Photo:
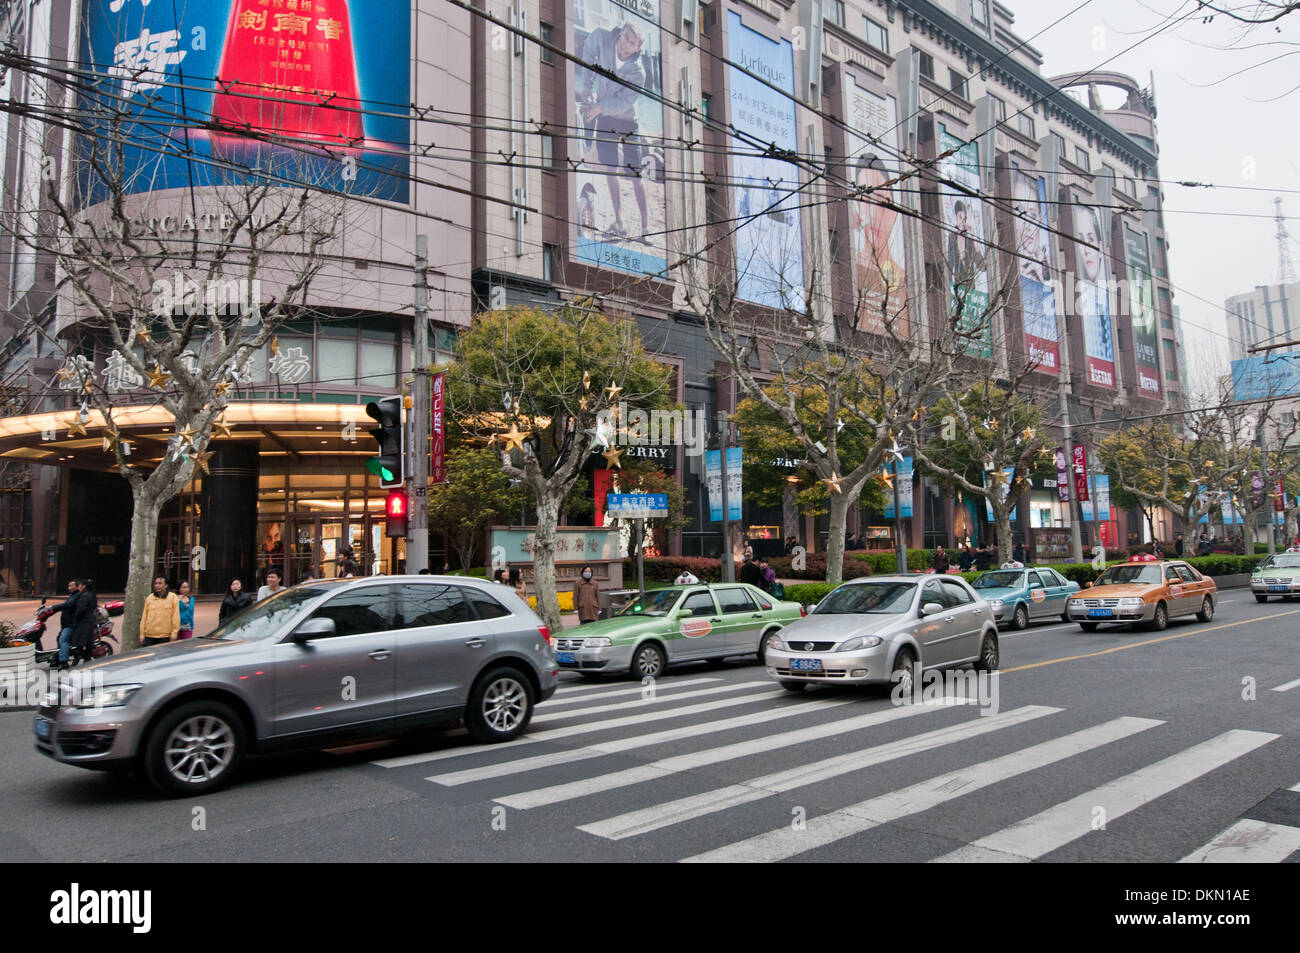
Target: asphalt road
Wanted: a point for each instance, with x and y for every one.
(1116, 745)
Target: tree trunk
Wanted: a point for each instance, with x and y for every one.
(835, 538)
(140, 571)
(789, 512)
(1006, 545)
(548, 606)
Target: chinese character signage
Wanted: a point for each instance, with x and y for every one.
(571, 545)
(964, 244)
(438, 466)
(1080, 473)
(1146, 339)
(311, 73)
(1092, 298)
(713, 474)
(637, 505)
(768, 239)
(1034, 263)
(879, 272)
(618, 185)
(1062, 477)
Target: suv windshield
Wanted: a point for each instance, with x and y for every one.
(1003, 579)
(1148, 575)
(892, 597)
(266, 618)
(659, 602)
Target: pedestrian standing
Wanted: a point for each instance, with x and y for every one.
(1019, 555)
(964, 558)
(235, 602)
(161, 620)
(347, 567)
(516, 581)
(750, 573)
(187, 612)
(1178, 546)
(983, 558)
(769, 577)
(586, 597)
(941, 561)
(83, 620)
(272, 585)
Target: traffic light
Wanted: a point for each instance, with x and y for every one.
(395, 509)
(390, 464)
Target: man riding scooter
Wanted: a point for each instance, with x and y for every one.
(67, 615)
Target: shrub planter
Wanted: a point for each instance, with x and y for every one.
(1234, 581)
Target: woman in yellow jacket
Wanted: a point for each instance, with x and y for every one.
(161, 621)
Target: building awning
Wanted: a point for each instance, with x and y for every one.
(298, 431)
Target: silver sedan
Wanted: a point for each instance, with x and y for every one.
(885, 628)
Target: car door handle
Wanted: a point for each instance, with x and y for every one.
(756, 616)
(949, 618)
(715, 620)
(380, 654)
(475, 643)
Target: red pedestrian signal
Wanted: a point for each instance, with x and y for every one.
(395, 509)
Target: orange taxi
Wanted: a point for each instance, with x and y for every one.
(1144, 589)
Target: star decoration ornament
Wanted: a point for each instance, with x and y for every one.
(220, 428)
(613, 390)
(65, 374)
(142, 336)
(110, 443)
(1027, 434)
(997, 476)
(833, 482)
(513, 438)
(88, 387)
(611, 457)
(222, 387)
(582, 402)
(275, 346)
(202, 463)
(918, 414)
(75, 427)
(159, 378)
(187, 434)
(601, 433)
(895, 451)
(839, 425)
(586, 380)
(886, 479)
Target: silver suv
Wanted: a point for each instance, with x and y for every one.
(313, 666)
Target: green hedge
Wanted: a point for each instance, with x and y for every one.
(808, 592)
(1217, 565)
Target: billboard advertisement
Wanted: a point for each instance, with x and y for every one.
(1146, 337)
(769, 246)
(964, 244)
(1093, 297)
(879, 272)
(1034, 263)
(322, 85)
(1101, 488)
(618, 188)
(903, 480)
(1264, 376)
(713, 479)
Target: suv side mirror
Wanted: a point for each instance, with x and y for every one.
(317, 628)
(931, 608)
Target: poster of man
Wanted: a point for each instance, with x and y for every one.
(1143, 313)
(878, 265)
(1034, 250)
(1093, 297)
(963, 220)
(619, 186)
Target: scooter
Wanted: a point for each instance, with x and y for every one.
(102, 645)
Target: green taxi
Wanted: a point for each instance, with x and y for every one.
(676, 624)
(1277, 576)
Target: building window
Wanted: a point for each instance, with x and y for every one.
(548, 150)
(835, 12)
(979, 12)
(999, 109)
(1081, 157)
(830, 158)
(957, 83)
(1109, 170)
(926, 64)
(1059, 141)
(550, 261)
(1025, 124)
(705, 101)
(877, 36)
(834, 245)
(547, 33)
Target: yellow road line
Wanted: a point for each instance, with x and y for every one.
(1135, 645)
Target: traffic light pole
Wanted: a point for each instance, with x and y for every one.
(417, 542)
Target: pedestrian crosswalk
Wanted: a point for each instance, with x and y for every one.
(712, 770)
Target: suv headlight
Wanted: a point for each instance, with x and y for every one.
(861, 642)
(110, 696)
(599, 642)
(775, 643)
(1131, 601)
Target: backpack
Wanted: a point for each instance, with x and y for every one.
(778, 590)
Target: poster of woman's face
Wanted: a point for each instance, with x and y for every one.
(1031, 238)
(1087, 232)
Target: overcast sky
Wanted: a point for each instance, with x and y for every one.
(1211, 128)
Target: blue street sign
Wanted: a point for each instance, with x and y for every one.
(637, 505)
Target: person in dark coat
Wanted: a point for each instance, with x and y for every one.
(750, 573)
(983, 559)
(1019, 555)
(83, 621)
(964, 558)
(236, 601)
(67, 610)
(941, 562)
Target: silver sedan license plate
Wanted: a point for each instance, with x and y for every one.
(806, 665)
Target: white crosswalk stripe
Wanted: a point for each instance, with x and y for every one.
(1288, 686)
(688, 808)
(657, 698)
(624, 692)
(1248, 842)
(857, 818)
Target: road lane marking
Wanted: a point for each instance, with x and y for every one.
(687, 762)
(684, 809)
(636, 689)
(655, 699)
(1288, 686)
(1135, 645)
(786, 842)
(1057, 826)
(631, 743)
(1248, 842)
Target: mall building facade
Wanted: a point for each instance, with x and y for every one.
(716, 138)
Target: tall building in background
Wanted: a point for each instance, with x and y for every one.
(1268, 315)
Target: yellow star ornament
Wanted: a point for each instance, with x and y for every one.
(159, 378)
(220, 428)
(514, 439)
(201, 462)
(833, 483)
(886, 479)
(613, 390)
(611, 457)
(75, 427)
(222, 387)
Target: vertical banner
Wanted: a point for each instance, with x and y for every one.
(713, 473)
(1146, 338)
(879, 273)
(903, 480)
(769, 246)
(1081, 473)
(963, 223)
(1279, 498)
(1101, 513)
(438, 461)
(618, 189)
(1092, 297)
(1034, 264)
(1062, 477)
(602, 481)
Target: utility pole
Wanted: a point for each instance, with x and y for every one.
(417, 542)
(724, 438)
(900, 548)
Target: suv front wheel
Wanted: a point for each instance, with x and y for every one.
(194, 749)
(500, 706)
